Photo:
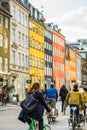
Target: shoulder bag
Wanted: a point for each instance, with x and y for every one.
(29, 104)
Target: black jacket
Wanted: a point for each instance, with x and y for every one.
(38, 112)
(63, 93)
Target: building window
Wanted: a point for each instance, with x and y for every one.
(19, 16)
(6, 64)
(19, 38)
(19, 57)
(13, 11)
(13, 35)
(26, 21)
(0, 63)
(13, 52)
(1, 19)
(26, 44)
(1, 39)
(6, 22)
(6, 42)
(26, 61)
(22, 39)
(22, 59)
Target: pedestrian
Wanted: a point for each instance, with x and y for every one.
(4, 98)
(63, 93)
(52, 95)
(37, 114)
(74, 99)
(0, 95)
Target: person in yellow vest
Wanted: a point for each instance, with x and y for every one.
(74, 99)
(84, 97)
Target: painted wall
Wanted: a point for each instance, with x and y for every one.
(36, 52)
(58, 59)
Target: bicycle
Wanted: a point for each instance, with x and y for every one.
(85, 115)
(73, 120)
(50, 117)
(34, 126)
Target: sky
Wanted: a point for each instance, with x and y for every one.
(69, 15)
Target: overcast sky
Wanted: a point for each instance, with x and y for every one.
(69, 15)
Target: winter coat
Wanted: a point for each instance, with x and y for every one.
(74, 97)
(63, 93)
(38, 112)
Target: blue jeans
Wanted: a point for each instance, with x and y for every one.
(77, 112)
(3, 102)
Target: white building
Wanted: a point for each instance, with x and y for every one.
(19, 51)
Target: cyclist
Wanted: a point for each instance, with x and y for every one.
(52, 95)
(74, 99)
(63, 94)
(37, 114)
(84, 97)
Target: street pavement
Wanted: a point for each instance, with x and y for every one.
(9, 114)
(8, 106)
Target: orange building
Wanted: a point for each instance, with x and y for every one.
(58, 58)
(72, 55)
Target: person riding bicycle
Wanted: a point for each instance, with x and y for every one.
(37, 114)
(52, 95)
(74, 99)
(63, 93)
(84, 97)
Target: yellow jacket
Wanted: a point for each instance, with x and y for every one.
(74, 98)
(84, 97)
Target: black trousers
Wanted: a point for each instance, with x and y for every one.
(29, 120)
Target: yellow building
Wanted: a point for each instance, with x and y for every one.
(36, 47)
(4, 45)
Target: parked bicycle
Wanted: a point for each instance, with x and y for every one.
(34, 125)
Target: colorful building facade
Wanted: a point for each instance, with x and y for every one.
(48, 50)
(58, 58)
(72, 55)
(67, 67)
(19, 49)
(4, 45)
(36, 47)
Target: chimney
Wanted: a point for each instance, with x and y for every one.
(5, 4)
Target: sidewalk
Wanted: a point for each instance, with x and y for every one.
(9, 106)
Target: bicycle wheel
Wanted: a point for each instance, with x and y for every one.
(46, 127)
(56, 112)
(74, 122)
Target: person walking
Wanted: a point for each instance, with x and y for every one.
(4, 98)
(52, 95)
(74, 99)
(37, 114)
(63, 93)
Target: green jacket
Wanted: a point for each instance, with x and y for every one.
(74, 98)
